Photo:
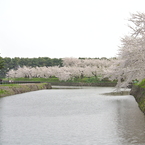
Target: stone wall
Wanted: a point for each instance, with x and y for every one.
(139, 95)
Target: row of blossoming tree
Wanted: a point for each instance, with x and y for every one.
(72, 68)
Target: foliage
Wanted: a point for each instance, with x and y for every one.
(1, 63)
(130, 64)
(142, 83)
(72, 69)
(2, 91)
(85, 80)
(15, 63)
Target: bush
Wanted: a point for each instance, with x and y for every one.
(142, 83)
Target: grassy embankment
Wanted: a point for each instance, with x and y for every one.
(138, 91)
(12, 89)
(142, 99)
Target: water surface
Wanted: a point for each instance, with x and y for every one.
(71, 117)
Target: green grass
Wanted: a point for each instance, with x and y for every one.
(35, 79)
(54, 79)
(9, 85)
(142, 105)
(84, 80)
(11, 89)
(2, 91)
(89, 80)
(142, 84)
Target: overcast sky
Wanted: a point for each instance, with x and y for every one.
(64, 28)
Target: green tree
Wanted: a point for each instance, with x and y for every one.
(1, 63)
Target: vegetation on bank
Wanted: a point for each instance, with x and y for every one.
(12, 89)
(3, 92)
(138, 91)
(8, 88)
(142, 99)
(55, 79)
(141, 84)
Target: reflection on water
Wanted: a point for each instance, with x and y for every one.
(71, 117)
(130, 121)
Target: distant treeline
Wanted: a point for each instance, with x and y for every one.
(15, 63)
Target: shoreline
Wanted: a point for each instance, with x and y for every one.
(139, 95)
(8, 90)
(19, 88)
(102, 84)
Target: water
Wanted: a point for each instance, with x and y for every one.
(71, 117)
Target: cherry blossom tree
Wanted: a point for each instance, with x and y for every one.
(131, 58)
(72, 68)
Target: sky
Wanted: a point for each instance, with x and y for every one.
(64, 28)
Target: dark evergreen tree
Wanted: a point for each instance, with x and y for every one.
(14, 63)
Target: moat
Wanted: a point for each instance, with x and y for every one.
(71, 116)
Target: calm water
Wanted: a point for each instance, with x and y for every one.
(71, 117)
